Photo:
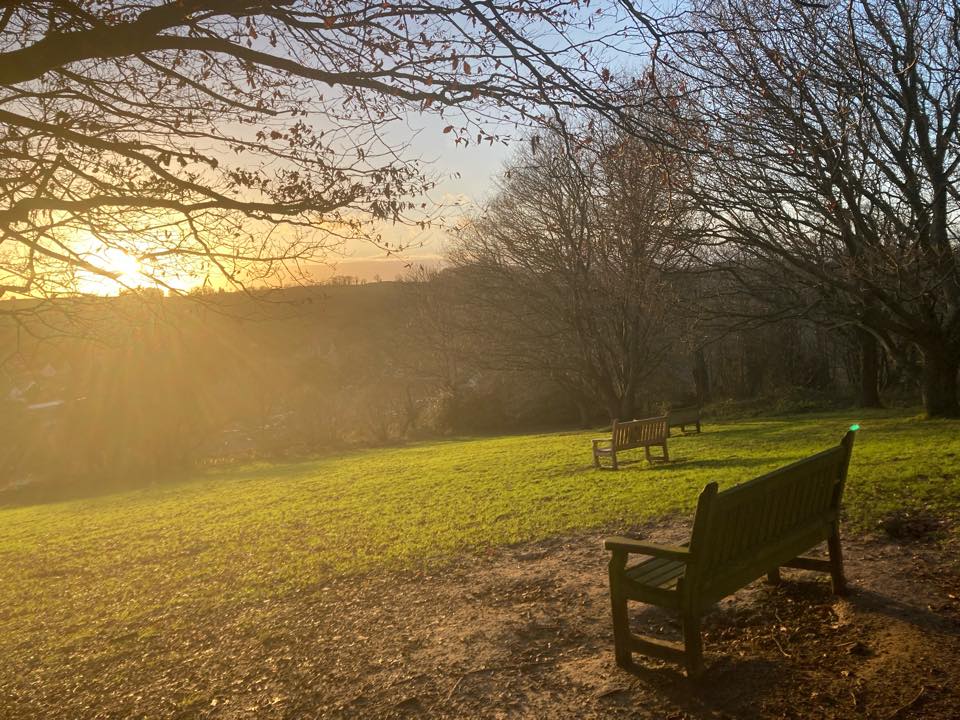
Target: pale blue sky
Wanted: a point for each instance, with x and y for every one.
(464, 176)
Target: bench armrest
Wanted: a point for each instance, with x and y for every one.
(623, 544)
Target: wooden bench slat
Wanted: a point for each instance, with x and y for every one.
(654, 647)
(646, 567)
(805, 563)
(734, 575)
(665, 597)
(658, 572)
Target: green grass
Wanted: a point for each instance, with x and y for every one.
(77, 568)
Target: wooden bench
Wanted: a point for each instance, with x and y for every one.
(632, 434)
(681, 417)
(739, 535)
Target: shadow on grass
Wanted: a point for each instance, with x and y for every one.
(687, 463)
(719, 464)
(43, 492)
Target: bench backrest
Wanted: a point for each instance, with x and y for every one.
(683, 415)
(741, 533)
(636, 433)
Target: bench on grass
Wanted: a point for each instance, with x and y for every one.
(630, 435)
(739, 535)
(681, 417)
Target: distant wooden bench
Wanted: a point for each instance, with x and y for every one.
(633, 434)
(738, 535)
(681, 417)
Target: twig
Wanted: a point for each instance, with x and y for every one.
(454, 688)
(407, 679)
(478, 671)
(916, 699)
(780, 647)
(401, 701)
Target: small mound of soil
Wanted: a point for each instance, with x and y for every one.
(907, 525)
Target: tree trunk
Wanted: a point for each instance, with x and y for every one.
(701, 377)
(869, 370)
(940, 382)
(583, 412)
(613, 407)
(619, 407)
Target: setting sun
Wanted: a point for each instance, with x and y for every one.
(126, 272)
(123, 271)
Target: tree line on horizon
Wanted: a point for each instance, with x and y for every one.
(173, 381)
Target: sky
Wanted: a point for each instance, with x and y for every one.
(464, 177)
(465, 174)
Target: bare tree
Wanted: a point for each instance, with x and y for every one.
(570, 262)
(833, 155)
(146, 141)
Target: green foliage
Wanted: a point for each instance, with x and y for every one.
(250, 533)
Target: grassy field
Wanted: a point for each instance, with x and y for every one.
(84, 567)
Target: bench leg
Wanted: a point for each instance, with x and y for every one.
(666, 454)
(613, 459)
(773, 576)
(596, 461)
(836, 562)
(698, 427)
(693, 645)
(621, 623)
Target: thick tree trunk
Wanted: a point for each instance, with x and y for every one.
(869, 370)
(619, 408)
(613, 407)
(940, 383)
(583, 412)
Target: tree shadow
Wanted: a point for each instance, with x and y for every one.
(684, 463)
(815, 590)
(730, 687)
(688, 463)
(920, 616)
(734, 686)
(641, 461)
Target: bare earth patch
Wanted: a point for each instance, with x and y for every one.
(525, 632)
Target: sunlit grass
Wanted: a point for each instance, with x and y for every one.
(125, 562)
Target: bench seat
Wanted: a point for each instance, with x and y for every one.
(739, 535)
(659, 573)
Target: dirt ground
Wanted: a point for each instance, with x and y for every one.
(525, 632)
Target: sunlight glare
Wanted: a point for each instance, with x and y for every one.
(129, 273)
